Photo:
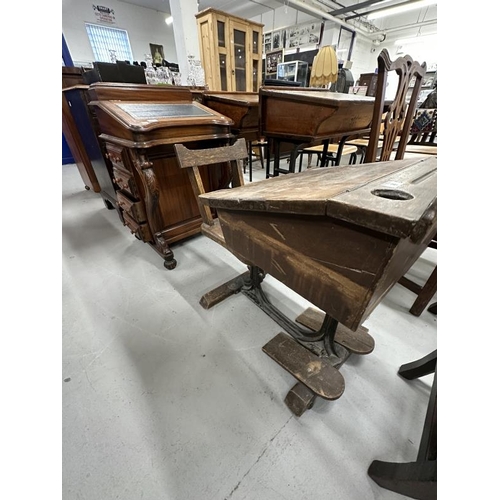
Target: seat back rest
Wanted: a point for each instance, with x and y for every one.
(192, 159)
(399, 116)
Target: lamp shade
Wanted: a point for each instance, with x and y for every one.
(325, 67)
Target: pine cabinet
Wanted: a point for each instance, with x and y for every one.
(231, 51)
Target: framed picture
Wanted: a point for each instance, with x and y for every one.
(157, 53)
(272, 61)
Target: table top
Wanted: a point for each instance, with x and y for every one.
(394, 197)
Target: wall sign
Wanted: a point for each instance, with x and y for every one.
(104, 14)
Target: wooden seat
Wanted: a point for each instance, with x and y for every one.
(331, 154)
(192, 160)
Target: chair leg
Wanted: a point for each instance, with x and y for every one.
(425, 294)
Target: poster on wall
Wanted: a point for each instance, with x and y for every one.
(268, 42)
(157, 53)
(272, 61)
(304, 34)
(278, 39)
(104, 14)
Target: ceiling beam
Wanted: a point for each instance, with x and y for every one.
(356, 6)
(381, 8)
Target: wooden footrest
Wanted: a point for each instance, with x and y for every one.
(223, 291)
(316, 373)
(358, 342)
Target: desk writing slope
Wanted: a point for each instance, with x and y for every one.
(340, 237)
(156, 200)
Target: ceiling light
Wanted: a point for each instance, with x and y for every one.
(399, 9)
(169, 20)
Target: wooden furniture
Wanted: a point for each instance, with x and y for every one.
(243, 109)
(332, 154)
(424, 292)
(97, 164)
(302, 118)
(192, 160)
(139, 125)
(339, 237)
(231, 51)
(415, 479)
(391, 124)
(369, 80)
(71, 78)
(399, 116)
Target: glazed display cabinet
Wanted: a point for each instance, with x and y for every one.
(231, 51)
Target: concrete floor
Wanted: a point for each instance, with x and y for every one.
(165, 400)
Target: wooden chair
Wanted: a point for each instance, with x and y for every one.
(196, 158)
(423, 133)
(332, 154)
(392, 124)
(417, 479)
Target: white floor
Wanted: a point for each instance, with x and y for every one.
(165, 400)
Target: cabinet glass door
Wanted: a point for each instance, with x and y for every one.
(222, 53)
(240, 60)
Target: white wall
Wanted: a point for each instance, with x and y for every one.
(147, 26)
(144, 26)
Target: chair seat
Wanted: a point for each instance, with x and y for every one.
(332, 149)
(421, 149)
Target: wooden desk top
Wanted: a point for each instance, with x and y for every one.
(150, 123)
(340, 237)
(346, 193)
(307, 115)
(235, 98)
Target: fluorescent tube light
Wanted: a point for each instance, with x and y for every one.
(169, 20)
(399, 9)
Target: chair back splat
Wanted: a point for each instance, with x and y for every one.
(193, 159)
(399, 115)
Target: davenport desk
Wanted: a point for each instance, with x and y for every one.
(340, 237)
(139, 125)
(301, 118)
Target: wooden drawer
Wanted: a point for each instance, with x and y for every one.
(135, 208)
(117, 155)
(140, 230)
(125, 180)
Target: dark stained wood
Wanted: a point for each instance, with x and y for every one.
(327, 234)
(192, 160)
(424, 293)
(416, 479)
(293, 119)
(399, 115)
(139, 125)
(241, 107)
(309, 115)
(103, 91)
(316, 373)
(72, 77)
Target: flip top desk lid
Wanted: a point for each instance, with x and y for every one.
(144, 116)
(338, 99)
(235, 98)
(395, 197)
